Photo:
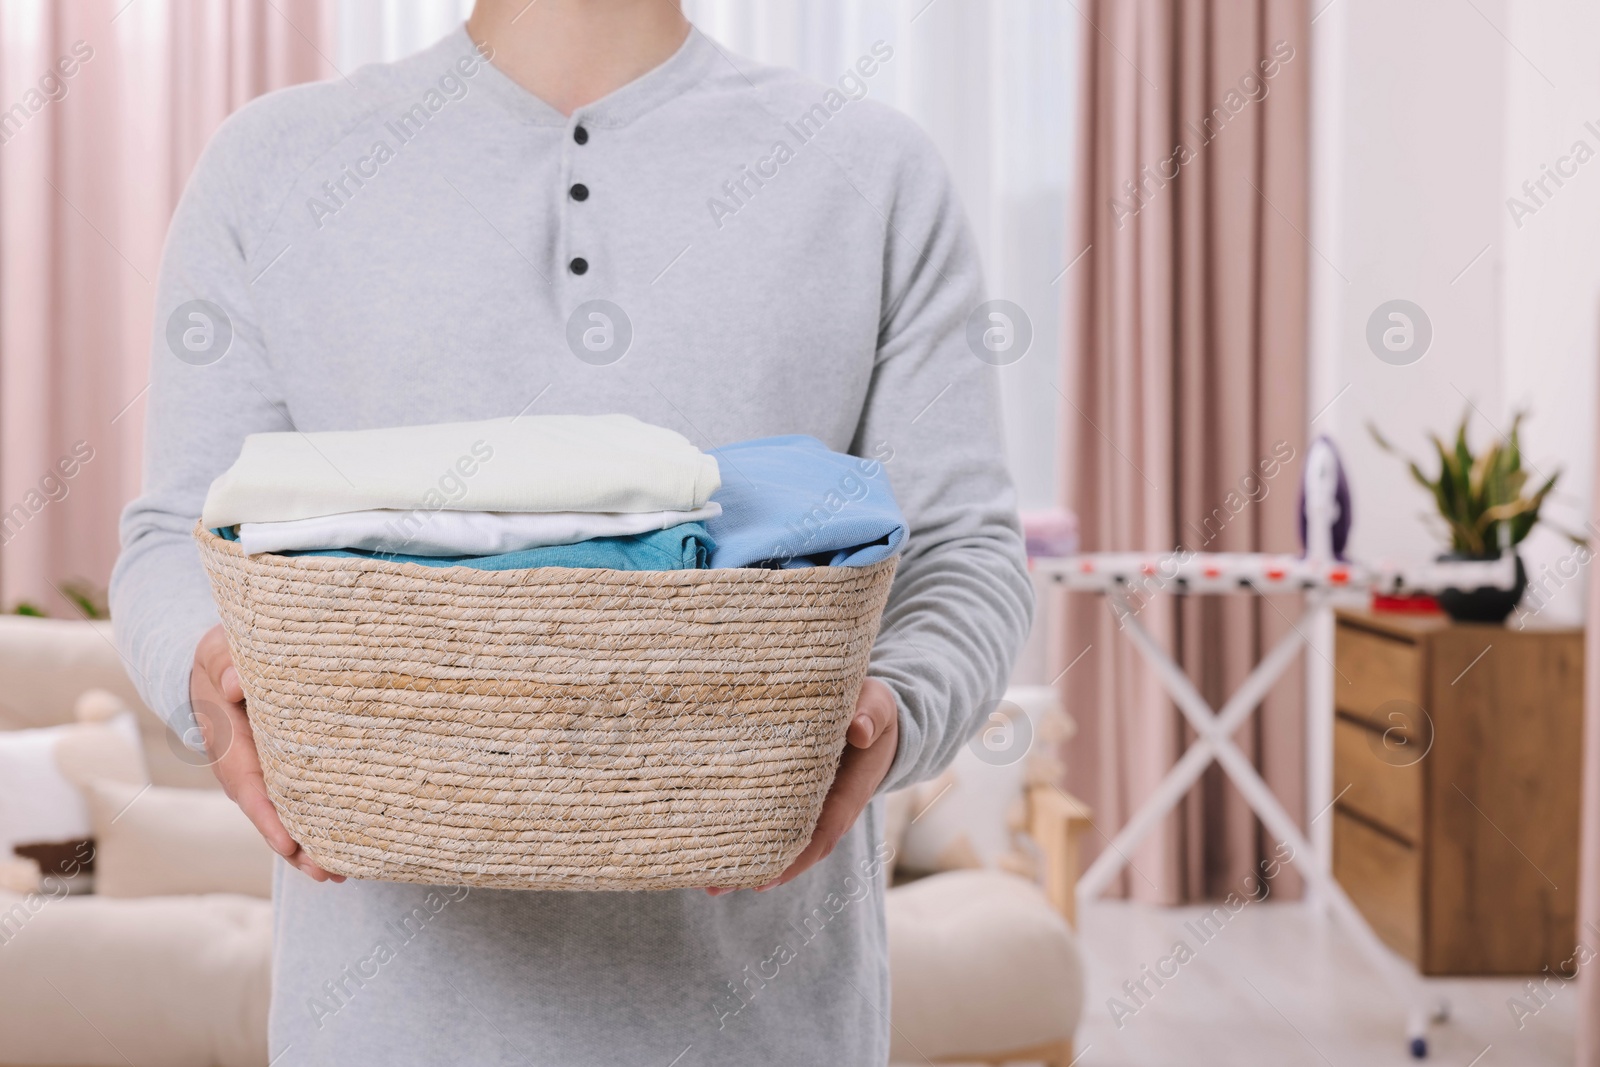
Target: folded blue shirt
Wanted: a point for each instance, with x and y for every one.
(686, 546)
(793, 502)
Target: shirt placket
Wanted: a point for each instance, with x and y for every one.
(575, 206)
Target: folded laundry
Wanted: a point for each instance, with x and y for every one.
(792, 502)
(456, 533)
(532, 463)
(686, 546)
(556, 491)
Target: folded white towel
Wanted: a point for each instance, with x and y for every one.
(456, 533)
(532, 463)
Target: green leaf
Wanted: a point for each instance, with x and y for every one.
(1484, 471)
(89, 601)
(1523, 524)
(1514, 441)
(1454, 503)
(1463, 453)
(1480, 497)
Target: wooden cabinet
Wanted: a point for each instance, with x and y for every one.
(1456, 766)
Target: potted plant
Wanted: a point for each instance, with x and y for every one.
(1485, 511)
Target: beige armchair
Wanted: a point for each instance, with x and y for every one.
(984, 965)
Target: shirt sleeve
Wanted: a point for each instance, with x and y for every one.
(961, 603)
(210, 386)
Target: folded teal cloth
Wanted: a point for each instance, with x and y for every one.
(686, 546)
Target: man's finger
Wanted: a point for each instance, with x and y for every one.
(213, 723)
(848, 796)
(229, 685)
(253, 801)
(863, 731)
(216, 694)
(213, 656)
(875, 712)
(822, 841)
(803, 862)
(256, 805)
(839, 812)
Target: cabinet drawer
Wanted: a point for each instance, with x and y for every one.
(1383, 775)
(1373, 670)
(1384, 879)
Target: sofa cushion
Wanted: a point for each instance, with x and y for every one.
(155, 841)
(104, 743)
(46, 664)
(979, 963)
(64, 859)
(39, 804)
(177, 981)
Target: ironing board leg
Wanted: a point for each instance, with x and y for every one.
(1215, 742)
(1320, 681)
(1209, 727)
(1167, 794)
(1395, 972)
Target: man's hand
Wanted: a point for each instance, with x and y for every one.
(218, 701)
(869, 749)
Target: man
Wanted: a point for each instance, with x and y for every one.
(431, 241)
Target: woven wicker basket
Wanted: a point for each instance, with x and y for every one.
(549, 728)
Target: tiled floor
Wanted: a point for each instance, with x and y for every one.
(1275, 988)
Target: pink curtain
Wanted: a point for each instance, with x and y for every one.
(1185, 414)
(109, 103)
(1589, 842)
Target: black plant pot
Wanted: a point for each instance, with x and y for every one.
(1485, 603)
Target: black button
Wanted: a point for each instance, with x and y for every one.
(579, 265)
(580, 135)
(580, 191)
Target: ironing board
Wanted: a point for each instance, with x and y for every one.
(1324, 579)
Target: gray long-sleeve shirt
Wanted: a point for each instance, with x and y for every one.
(421, 243)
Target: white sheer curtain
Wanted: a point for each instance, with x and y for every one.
(376, 31)
(992, 81)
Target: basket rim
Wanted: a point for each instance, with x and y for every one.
(209, 541)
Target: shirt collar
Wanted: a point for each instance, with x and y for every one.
(685, 68)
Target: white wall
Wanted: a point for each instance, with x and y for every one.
(1426, 115)
(1551, 297)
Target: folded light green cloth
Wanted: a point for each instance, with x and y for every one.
(686, 546)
